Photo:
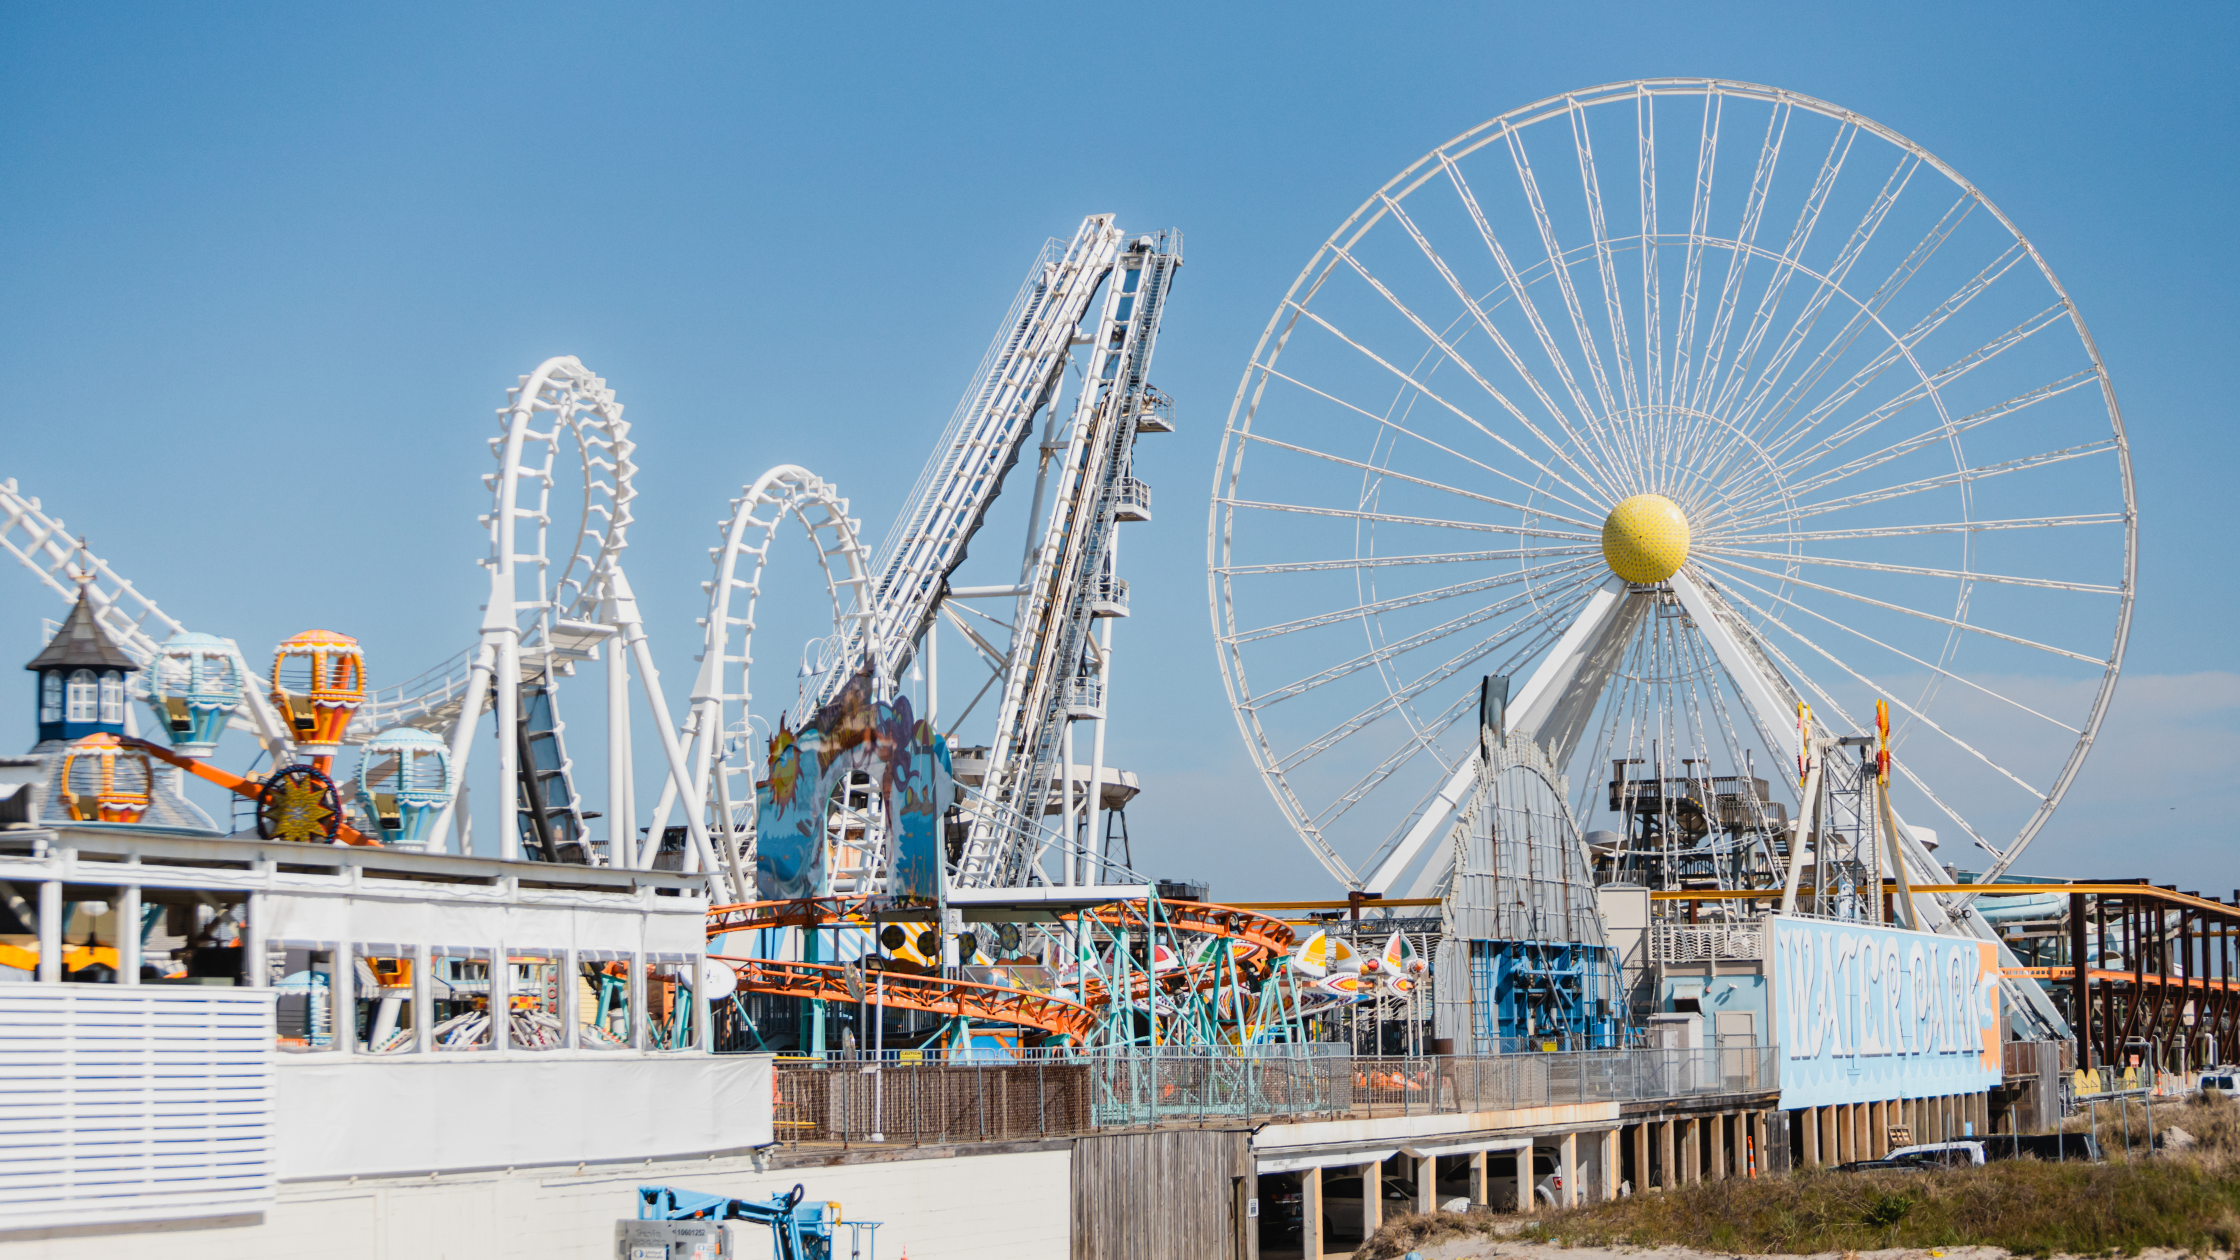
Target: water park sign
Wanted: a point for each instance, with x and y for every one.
(1865, 1012)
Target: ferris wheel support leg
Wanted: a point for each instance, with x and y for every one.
(462, 738)
(1551, 709)
(2026, 997)
(1771, 700)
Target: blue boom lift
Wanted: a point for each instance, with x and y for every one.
(678, 1224)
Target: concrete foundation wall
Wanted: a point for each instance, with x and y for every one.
(991, 1207)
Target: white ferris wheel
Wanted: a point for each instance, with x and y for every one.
(1844, 433)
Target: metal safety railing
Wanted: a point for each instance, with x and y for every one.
(1055, 1095)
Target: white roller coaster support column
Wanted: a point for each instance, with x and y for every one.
(462, 742)
(501, 627)
(619, 852)
(1093, 843)
(1093, 840)
(633, 630)
(1068, 818)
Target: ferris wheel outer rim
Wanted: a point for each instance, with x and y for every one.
(1228, 468)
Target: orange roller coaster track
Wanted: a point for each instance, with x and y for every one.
(1264, 935)
(991, 1003)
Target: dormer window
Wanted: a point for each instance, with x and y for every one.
(112, 698)
(50, 696)
(85, 697)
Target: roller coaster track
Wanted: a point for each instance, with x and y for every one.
(1266, 937)
(990, 1003)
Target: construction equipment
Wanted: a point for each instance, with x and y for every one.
(675, 1224)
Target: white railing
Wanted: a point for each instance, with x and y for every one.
(1134, 498)
(1683, 943)
(1084, 696)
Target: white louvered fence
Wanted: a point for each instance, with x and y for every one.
(133, 1103)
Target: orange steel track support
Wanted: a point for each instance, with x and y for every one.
(235, 784)
(990, 1002)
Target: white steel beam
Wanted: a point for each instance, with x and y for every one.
(1552, 709)
(1772, 702)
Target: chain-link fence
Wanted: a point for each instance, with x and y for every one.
(935, 1103)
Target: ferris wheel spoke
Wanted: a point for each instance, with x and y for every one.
(1699, 235)
(1880, 690)
(1396, 561)
(1652, 319)
(1950, 527)
(1384, 473)
(1531, 313)
(1606, 265)
(1723, 565)
(1561, 272)
(1400, 696)
(1728, 439)
(1864, 317)
(1786, 267)
(1738, 259)
(1393, 604)
(1508, 350)
(1957, 575)
(1898, 651)
(1456, 357)
(1799, 332)
(1942, 433)
(1577, 582)
(1389, 518)
(1386, 562)
(1964, 476)
(1901, 350)
(1828, 703)
(1430, 442)
(1779, 440)
(1410, 381)
(1948, 811)
(1423, 742)
(1924, 389)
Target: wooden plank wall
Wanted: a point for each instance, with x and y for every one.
(1166, 1195)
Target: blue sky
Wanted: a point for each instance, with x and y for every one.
(265, 271)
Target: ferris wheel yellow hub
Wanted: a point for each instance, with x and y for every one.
(1645, 539)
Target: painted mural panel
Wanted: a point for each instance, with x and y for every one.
(1865, 1012)
(908, 765)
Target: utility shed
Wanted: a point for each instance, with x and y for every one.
(1172, 1194)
